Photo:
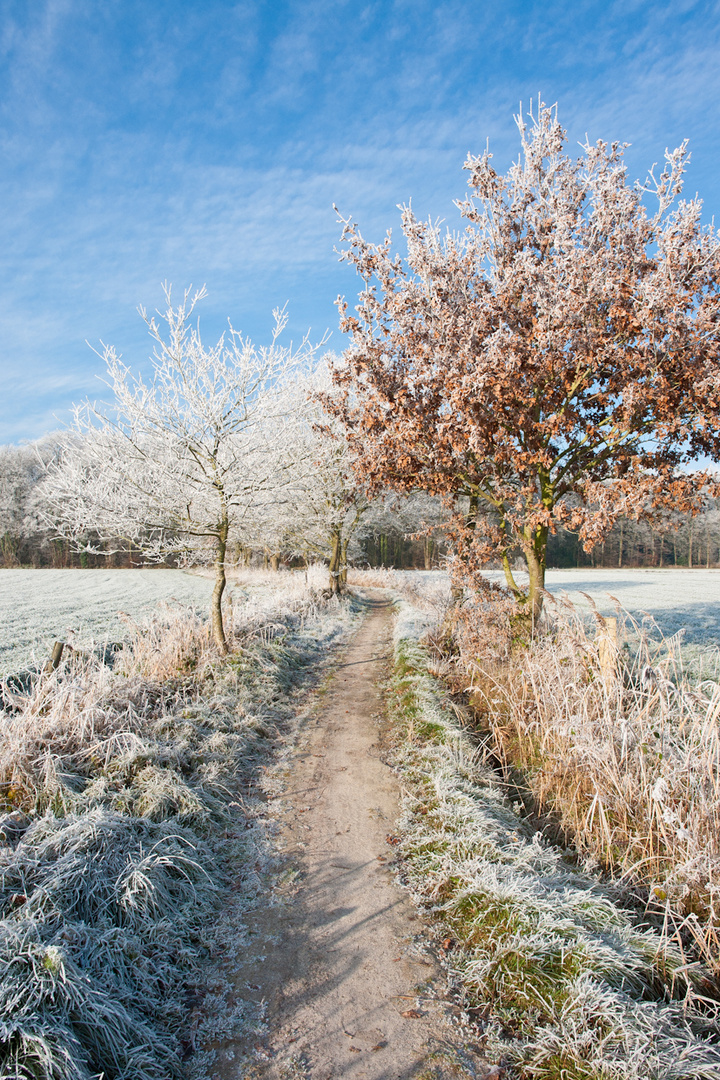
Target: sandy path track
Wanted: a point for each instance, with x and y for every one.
(343, 959)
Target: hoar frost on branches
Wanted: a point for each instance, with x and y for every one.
(555, 364)
(323, 510)
(176, 465)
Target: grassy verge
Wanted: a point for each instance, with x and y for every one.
(133, 838)
(563, 982)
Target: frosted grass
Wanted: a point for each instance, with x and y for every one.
(136, 836)
(38, 607)
(564, 983)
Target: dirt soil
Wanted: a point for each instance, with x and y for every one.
(348, 974)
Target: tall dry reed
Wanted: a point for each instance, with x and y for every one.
(619, 749)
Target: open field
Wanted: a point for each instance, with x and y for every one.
(38, 607)
(676, 599)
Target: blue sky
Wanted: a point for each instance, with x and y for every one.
(205, 142)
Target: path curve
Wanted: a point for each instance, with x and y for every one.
(347, 975)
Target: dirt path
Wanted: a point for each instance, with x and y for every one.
(351, 988)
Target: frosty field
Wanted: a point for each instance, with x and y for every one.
(675, 599)
(687, 600)
(38, 607)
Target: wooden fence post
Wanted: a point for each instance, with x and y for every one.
(56, 657)
(608, 649)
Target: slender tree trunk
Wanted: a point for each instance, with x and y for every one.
(660, 553)
(343, 562)
(536, 585)
(428, 552)
(218, 630)
(690, 543)
(335, 557)
(536, 557)
(620, 545)
(275, 562)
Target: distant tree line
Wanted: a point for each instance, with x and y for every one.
(392, 534)
(682, 541)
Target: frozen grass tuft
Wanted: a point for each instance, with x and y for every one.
(562, 979)
(130, 795)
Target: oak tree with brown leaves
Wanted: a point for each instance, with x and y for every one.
(556, 363)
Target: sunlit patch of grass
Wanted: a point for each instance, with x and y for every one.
(569, 984)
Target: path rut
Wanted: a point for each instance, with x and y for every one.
(351, 987)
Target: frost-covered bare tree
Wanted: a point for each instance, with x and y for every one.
(178, 464)
(22, 470)
(416, 515)
(320, 513)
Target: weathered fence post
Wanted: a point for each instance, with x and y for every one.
(56, 656)
(608, 649)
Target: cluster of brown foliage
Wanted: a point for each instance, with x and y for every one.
(555, 364)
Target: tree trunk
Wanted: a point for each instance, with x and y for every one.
(536, 558)
(343, 562)
(428, 552)
(620, 544)
(335, 557)
(218, 630)
(275, 562)
(536, 585)
(690, 543)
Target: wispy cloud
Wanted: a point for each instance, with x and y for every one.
(207, 144)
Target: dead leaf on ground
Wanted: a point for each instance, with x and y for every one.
(412, 1014)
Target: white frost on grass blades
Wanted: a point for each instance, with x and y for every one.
(138, 837)
(569, 986)
(38, 607)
